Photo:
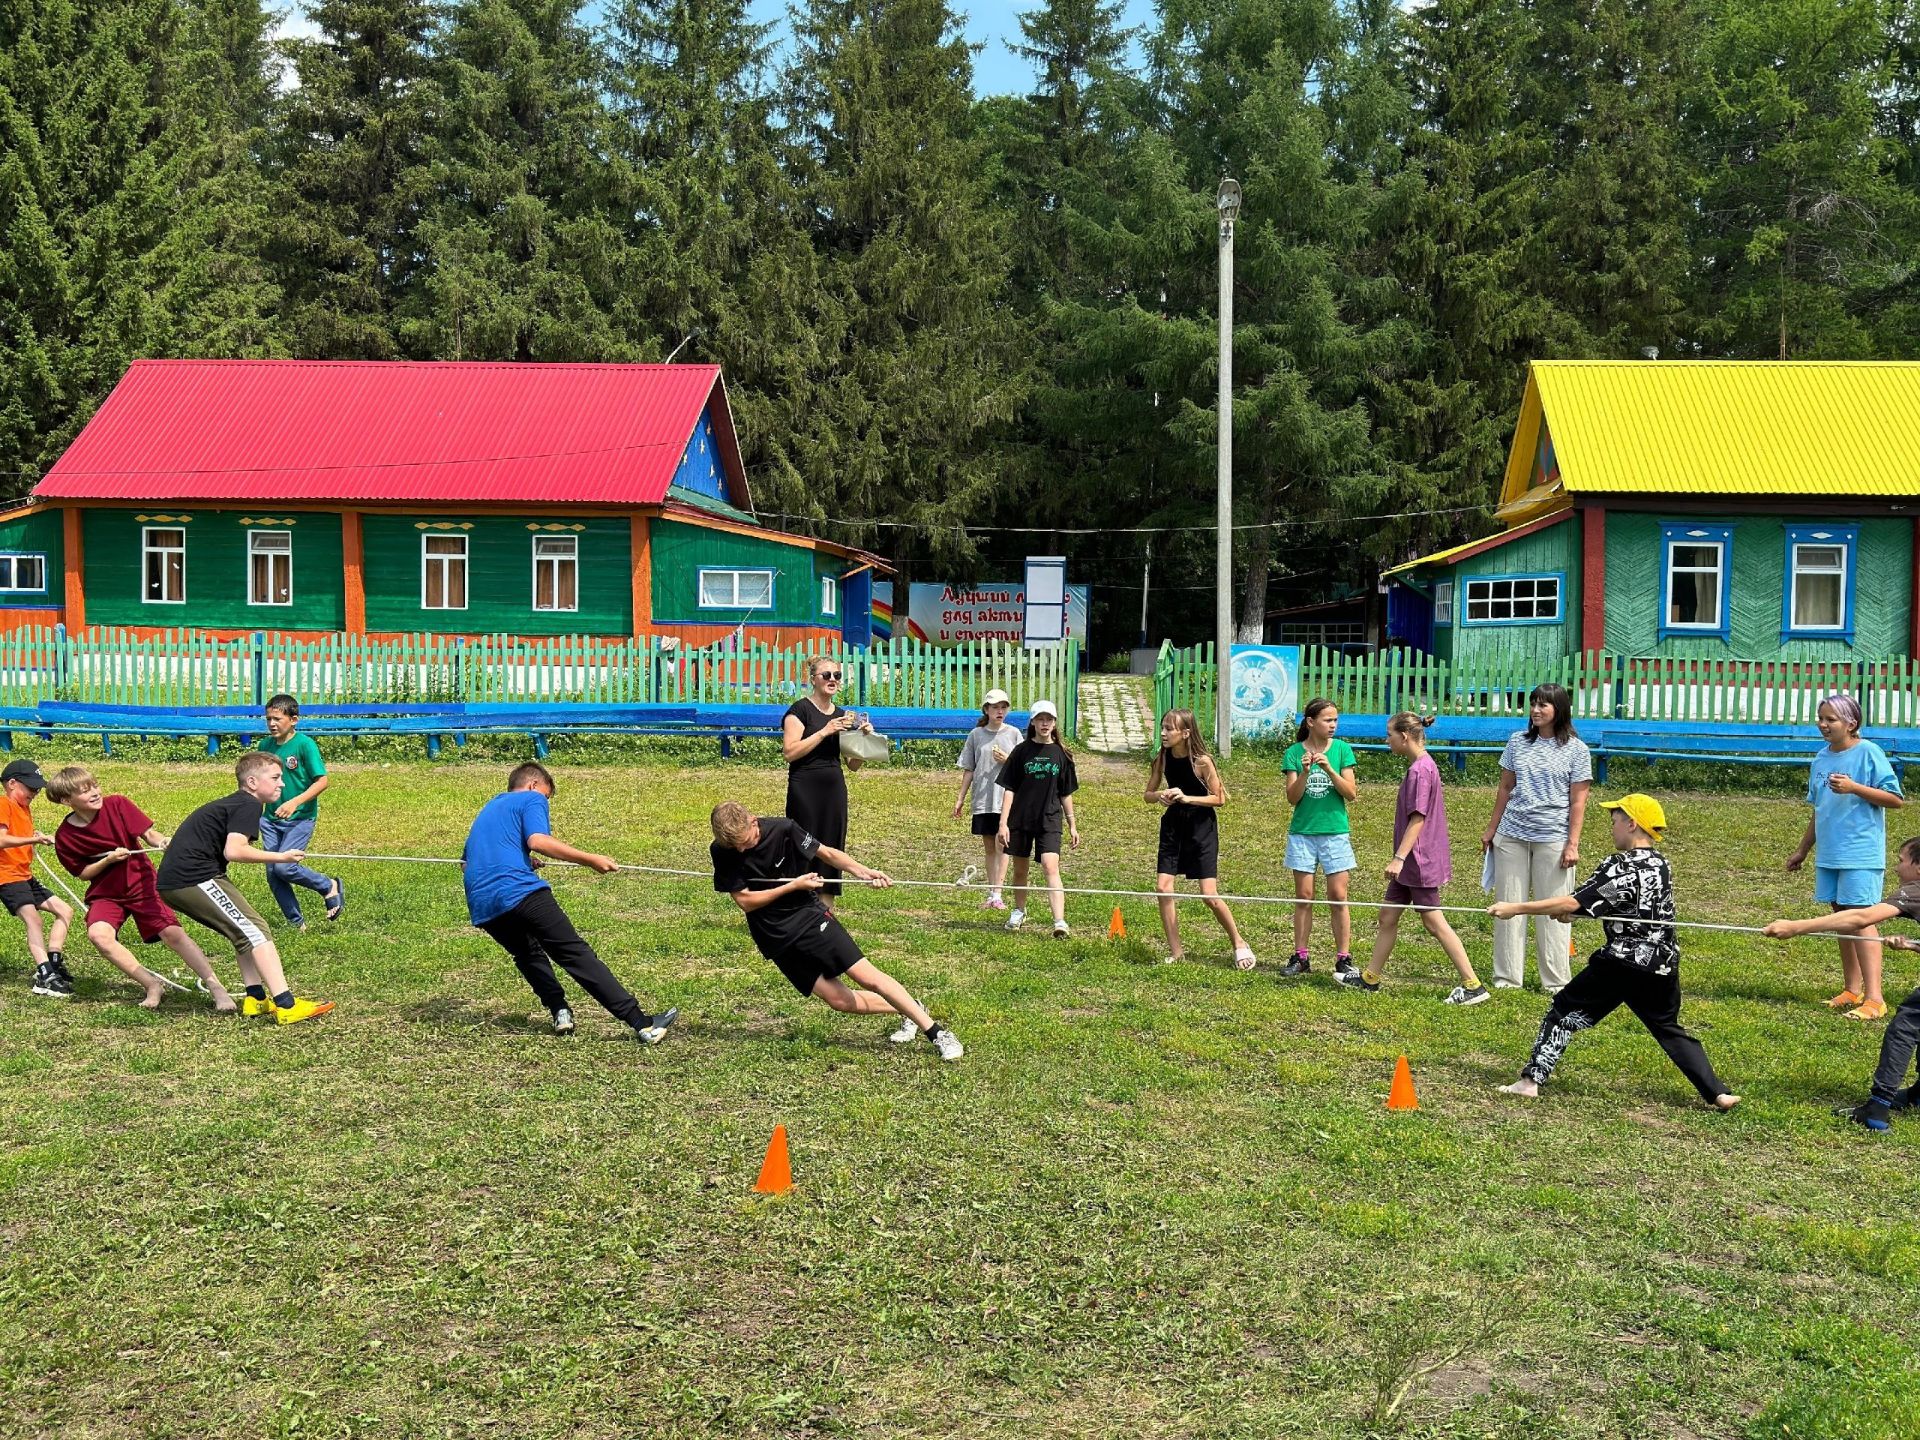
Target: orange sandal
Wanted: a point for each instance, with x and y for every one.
(1844, 999)
(1869, 1010)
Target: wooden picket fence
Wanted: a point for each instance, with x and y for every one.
(1602, 684)
(187, 668)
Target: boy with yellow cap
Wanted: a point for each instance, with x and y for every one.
(1631, 893)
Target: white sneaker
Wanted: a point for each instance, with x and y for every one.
(563, 1021)
(906, 1034)
(1015, 919)
(1059, 929)
(946, 1042)
(1507, 985)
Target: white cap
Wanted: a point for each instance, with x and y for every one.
(1043, 707)
(997, 697)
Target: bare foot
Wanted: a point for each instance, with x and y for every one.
(223, 1004)
(1725, 1102)
(154, 989)
(1522, 1087)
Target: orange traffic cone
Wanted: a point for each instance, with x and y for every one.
(1116, 927)
(1401, 1096)
(776, 1175)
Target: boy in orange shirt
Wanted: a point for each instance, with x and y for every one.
(21, 891)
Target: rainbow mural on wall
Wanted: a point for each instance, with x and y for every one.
(883, 609)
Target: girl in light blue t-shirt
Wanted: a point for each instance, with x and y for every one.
(1850, 787)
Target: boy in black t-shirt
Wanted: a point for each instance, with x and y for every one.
(1889, 1091)
(1039, 781)
(764, 863)
(193, 880)
(1638, 966)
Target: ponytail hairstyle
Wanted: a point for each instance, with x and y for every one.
(1562, 703)
(1314, 707)
(1412, 724)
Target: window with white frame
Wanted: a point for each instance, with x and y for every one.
(1511, 599)
(163, 563)
(829, 595)
(556, 572)
(736, 589)
(443, 572)
(23, 573)
(1443, 602)
(270, 567)
(1696, 580)
(1819, 598)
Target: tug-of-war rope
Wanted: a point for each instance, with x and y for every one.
(971, 874)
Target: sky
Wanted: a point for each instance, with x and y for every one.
(990, 24)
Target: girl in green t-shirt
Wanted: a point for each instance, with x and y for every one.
(1320, 783)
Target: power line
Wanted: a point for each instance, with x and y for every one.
(1115, 529)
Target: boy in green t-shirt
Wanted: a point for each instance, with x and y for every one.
(289, 824)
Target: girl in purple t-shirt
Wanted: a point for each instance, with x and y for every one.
(1421, 864)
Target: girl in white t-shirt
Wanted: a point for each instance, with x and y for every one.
(987, 747)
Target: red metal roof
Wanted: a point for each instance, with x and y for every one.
(392, 432)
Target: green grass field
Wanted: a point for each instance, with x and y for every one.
(1161, 1201)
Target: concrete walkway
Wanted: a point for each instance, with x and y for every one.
(1116, 714)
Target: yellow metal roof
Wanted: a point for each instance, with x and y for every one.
(1485, 542)
(1722, 427)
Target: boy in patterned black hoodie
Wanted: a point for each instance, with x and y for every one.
(1631, 893)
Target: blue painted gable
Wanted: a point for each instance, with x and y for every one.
(700, 469)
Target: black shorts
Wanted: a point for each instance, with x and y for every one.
(18, 894)
(987, 824)
(1029, 844)
(1192, 851)
(824, 952)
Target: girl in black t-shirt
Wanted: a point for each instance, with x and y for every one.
(1184, 780)
(1039, 781)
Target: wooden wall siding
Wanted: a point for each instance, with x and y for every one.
(1883, 590)
(681, 551)
(216, 570)
(499, 575)
(700, 469)
(42, 533)
(1553, 551)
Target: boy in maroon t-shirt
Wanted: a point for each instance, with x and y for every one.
(100, 842)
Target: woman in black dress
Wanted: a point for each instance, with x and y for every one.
(810, 741)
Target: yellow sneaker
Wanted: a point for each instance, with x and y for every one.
(253, 1009)
(301, 1010)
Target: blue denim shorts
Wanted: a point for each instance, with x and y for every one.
(1331, 853)
(1851, 888)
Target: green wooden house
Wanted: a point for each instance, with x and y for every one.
(1689, 509)
(395, 498)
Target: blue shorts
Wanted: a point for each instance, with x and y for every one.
(1331, 853)
(1849, 888)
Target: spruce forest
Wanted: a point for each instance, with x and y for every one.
(943, 317)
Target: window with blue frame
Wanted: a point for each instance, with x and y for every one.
(1510, 600)
(1817, 603)
(1696, 561)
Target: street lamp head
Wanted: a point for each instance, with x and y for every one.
(1228, 201)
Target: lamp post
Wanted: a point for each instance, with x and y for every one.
(1228, 201)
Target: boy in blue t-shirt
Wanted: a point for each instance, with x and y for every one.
(516, 907)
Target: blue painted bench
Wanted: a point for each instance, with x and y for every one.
(434, 722)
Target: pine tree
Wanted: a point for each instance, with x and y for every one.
(1805, 226)
(917, 358)
(524, 255)
(354, 178)
(88, 193)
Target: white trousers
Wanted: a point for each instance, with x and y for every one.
(1531, 870)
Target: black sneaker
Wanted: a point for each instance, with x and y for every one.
(562, 1021)
(51, 983)
(655, 1030)
(1355, 980)
(59, 963)
(1875, 1115)
(1343, 965)
(1298, 965)
(1905, 1099)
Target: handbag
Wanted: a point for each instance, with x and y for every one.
(867, 748)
